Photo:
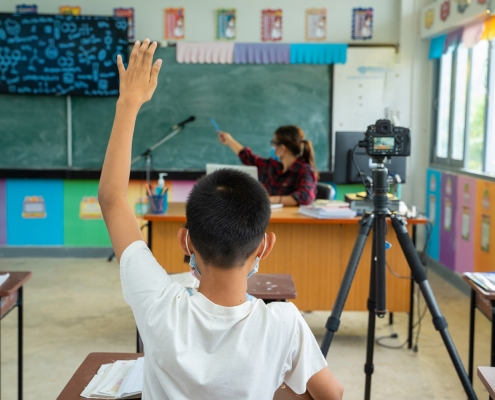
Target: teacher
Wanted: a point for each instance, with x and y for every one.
(290, 174)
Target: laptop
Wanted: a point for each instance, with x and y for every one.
(248, 169)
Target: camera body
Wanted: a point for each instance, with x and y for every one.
(385, 140)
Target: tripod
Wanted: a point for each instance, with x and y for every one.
(376, 300)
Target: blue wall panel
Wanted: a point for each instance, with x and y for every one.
(433, 210)
(35, 210)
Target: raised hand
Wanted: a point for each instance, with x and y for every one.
(224, 138)
(139, 80)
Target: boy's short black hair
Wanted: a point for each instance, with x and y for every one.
(227, 213)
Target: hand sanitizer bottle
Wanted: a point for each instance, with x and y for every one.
(161, 183)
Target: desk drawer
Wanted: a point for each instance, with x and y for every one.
(7, 303)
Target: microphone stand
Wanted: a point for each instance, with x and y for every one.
(148, 153)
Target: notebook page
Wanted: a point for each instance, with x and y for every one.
(133, 382)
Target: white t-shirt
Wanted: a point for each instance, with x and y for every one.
(196, 349)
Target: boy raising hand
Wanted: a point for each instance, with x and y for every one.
(213, 344)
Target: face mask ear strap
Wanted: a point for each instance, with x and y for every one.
(187, 246)
(264, 248)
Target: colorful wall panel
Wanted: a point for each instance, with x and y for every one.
(83, 222)
(3, 213)
(465, 224)
(35, 212)
(484, 238)
(180, 190)
(433, 210)
(448, 224)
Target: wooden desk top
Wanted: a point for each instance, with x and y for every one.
(478, 289)
(287, 215)
(93, 361)
(487, 377)
(15, 281)
(272, 286)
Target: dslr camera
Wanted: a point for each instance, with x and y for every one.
(385, 140)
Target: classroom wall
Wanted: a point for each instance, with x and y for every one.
(200, 17)
(461, 210)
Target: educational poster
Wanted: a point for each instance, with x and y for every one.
(448, 225)
(226, 24)
(69, 10)
(175, 26)
(129, 14)
(434, 211)
(35, 212)
(83, 221)
(271, 25)
(362, 23)
(316, 24)
(484, 239)
(26, 9)
(3, 215)
(465, 224)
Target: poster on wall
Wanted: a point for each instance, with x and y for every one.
(175, 25)
(129, 14)
(271, 25)
(26, 9)
(362, 23)
(316, 24)
(69, 10)
(226, 24)
(485, 222)
(449, 225)
(33, 207)
(89, 208)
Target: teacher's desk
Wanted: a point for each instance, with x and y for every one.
(314, 251)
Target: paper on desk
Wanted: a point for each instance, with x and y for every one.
(112, 382)
(133, 382)
(93, 384)
(3, 278)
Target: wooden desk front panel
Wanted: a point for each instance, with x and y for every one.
(316, 256)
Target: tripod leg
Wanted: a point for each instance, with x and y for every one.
(379, 251)
(439, 321)
(370, 342)
(333, 321)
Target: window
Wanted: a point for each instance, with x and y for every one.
(465, 130)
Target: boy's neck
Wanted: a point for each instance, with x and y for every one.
(224, 287)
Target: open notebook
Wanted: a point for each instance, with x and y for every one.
(121, 380)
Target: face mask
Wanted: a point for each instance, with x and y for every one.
(273, 155)
(192, 259)
(257, 261)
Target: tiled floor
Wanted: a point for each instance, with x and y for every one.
(75, 306)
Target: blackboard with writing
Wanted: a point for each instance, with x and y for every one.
(61, 54)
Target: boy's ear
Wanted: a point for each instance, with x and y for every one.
(181, 236)
(270, 239)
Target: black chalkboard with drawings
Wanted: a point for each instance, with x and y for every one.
(61, 54)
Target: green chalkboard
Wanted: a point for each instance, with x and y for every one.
(249, 101)
(33, 131)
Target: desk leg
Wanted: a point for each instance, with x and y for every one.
(19, 342)
(472, 313)
(411, 300)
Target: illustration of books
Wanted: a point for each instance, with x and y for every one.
(33, 207)
(89, 208)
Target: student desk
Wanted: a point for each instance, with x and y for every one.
(11, 296)
(485, 302)
(315, 252)
(487, 377)
(93, 361)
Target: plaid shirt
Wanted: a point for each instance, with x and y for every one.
(299, 180)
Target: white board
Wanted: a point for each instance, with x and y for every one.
(360, 93)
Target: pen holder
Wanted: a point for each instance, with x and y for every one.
(158, 204)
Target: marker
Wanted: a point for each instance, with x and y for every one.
(215, 125)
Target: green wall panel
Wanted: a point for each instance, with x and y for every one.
(83, 225)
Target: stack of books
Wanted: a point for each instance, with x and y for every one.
(486, 280)
(328, 209)
(121, 380)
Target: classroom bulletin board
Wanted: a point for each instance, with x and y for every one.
(434, 210)
(465, 224)
(484, 243)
